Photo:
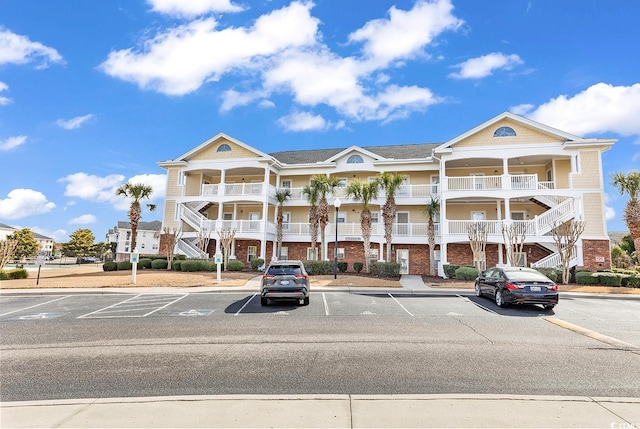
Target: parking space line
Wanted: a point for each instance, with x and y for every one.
(33, 306)
(166, 305)
(398, 302)
(326, 305)
(245, 304)
(106, 308)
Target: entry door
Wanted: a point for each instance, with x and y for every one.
(402, 258)
(254, 224)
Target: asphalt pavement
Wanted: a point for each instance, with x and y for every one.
(328, 411)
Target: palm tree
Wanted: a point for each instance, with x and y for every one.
(280, 196)
(364, 192)
(630, 184)
(431, 210)
(136, 192)
(324, 185)
(312, 198)
(389, 183)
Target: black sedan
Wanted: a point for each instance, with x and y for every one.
(517, 285)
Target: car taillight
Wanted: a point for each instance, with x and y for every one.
(301, 276)
(554, 287)
(267, 276)
(512, 286)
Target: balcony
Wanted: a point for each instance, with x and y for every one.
(494, 183)
(407, 191)
(252, 190)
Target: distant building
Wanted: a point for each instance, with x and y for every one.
(147, 238)
(45, 244)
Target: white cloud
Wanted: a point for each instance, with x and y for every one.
(16, 49)
(103, 189)
(59, 235)
(4, 100)
(609, 213)
(477, 68)
(303, 121)
(405, 33)
(180, 60)
(284, 49)
(24, 202)
(600, 108)
(73, 123)
(84, 219)
(192, 8)
(12, 142)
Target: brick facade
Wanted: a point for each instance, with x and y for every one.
(596, 255)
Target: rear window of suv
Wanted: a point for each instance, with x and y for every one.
(284, 270)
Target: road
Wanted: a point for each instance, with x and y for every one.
(100, 346)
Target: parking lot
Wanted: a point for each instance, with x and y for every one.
(615, 317)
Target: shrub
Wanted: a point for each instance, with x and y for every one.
(234, 265)
(466, 273)
(124, 265)
(385, 269)
(256, 263)
(318, 268)
(177, 265)
(551, 273)
(357, 266)
(450, 270)
(193, 265)
(144, 263)
(18, 273)
(586, 278)
(110, 266)
(159, 264)
(633, 281)
(609, 279)
(342, 266)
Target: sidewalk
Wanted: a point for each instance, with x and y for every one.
(327, 411)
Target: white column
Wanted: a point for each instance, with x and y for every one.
(222, 179)
(265, 214)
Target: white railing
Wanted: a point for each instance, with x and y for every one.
(560, 213)
(461, 227)
(209, 190)
(188, 249)
(553, 260)
(524, 181)
(474, 183)
(407, 191)
(234, 189)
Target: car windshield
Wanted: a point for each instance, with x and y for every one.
(284, 270)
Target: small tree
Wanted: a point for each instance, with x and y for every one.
(431, 211)
(204, 237)
(281, 196)
(390, 183)
(364, 193)
(172, 236)
(514, 233)
(566, 235)
(226, 238)
(477, 232)
(27, 245)
(135, 192)
(80, 244)
(7, 251)
(311, 194)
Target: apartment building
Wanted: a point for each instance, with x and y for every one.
(147, 238)
(45, 244)
(507, 170)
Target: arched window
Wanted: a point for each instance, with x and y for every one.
(224, 148)
(355, 159)
(504, 132)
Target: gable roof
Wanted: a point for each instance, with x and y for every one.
(142, 226)
(217, 137)
(309, 156)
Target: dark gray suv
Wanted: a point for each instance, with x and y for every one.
(285, 280)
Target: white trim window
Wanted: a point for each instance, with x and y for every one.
(312, 254)
(284, 253)
(252, 252)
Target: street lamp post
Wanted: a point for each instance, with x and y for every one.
(336, 204)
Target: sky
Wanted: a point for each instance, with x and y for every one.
(93, 94)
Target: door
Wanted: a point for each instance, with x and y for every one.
(402, 223)
(402, 258)
(254, 224)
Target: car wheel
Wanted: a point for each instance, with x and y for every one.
(264, 301)
(478, 291)
(305, 301)
(549, 307)
(500, 298)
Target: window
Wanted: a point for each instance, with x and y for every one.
(286, 218)
(355, 159)
(340, 252)
(402, 221)
(144, 234)
(342, 182)
(142, 245)
(224, 148)
(504, 132)
(342, 217)
(521, 259)
(375, 217)
(154, 246)
(285, 183)
(373, 254)
(284, 253)
(312, 254)
(252, 251)
(518, 215)
(478, 216)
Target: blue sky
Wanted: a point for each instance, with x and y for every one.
(94, 93)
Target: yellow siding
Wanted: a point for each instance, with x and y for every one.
(193, 182)
(524, 135)
(173, 189)
(561, 173)
(210, 152)
(593, 209)
(589, 176)
(170, 214)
